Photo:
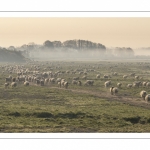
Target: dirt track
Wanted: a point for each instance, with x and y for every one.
(123, 99)
(126, 100)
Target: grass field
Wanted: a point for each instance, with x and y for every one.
(78, 108)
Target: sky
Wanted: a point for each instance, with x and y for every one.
(111, 32)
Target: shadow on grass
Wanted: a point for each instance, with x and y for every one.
(137, 119)
(69, 115)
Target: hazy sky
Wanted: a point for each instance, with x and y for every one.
(121, 32)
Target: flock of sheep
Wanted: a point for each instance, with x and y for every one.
(42, 74)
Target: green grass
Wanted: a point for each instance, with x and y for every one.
(46, 109)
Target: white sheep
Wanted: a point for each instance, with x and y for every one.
(89, 82)
(59, 84)
(136, 84)
(79, 83)
(129, 85)
(113, 90)
(84, 77)
(144, 83)
(147, 97)
(119, 84)
(6, 85)
(42, 82)
(97, 76)
(125, 77)
(26, 83)
(66, 85)
(107, 84)
(148, 84)
(136, 77)
(74, 82)
(143, 94)
(13, 84)
(106, 76)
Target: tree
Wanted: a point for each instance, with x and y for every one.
(48, 44)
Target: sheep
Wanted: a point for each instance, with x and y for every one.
(74, 82)
(129, 85)
(52, 80)
(8, 79)
(132, 74)
(136, 77)
(59, 84)
(79, 83)
(6, 85)
(75, 78)
(42, 82)
(66, 85)
(84, 77)
(136, 84)
(113, 90)
(115, 73)
(143, 94)
(147, 97)
(13, 84)
(45, 74)
(89, 82)
(105, 76)
(37, 81)
(26, 83)
(144, 83)
(13, 79)
(107, 84)
(119, 84)
(58, 80)
(62, 82)
(148, 84)
(97, 76)
(125, 76)
(46, 80)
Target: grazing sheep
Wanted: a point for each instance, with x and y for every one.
(74, 82)
(125, 77)
(13, 79)
(59, 84)
(119, 84)
(79, 83)
(113, 90)
(46, 81)
(42, 82)
(26, 83)
(129, 85)
(136, 84)
(52, 80)
(75, 78)
(62, 82)
(132, 74)
(58, 80)
(147, 97)
(148, 84)
(143, 94)
(107, 84)
(84, 77)
(144, 83)
(8, 79)
(6, 85)
(37, 81)
(105, 76)
(13, 84)
(97, 76)
(66, 85)
(115, 73)
(89, 82)
(136, 77)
